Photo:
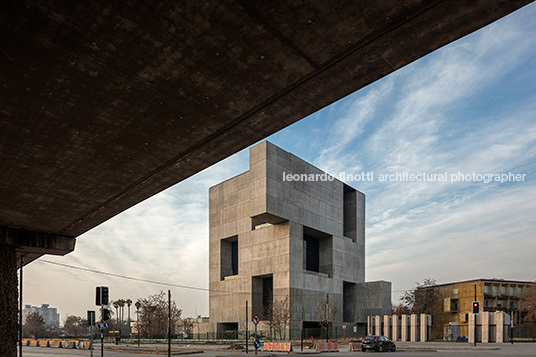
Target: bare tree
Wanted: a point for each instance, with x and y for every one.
(186, 326)
(278, 315)
(528, 304)
(154, 315)
(422, 297)
(400, 309)
(327, 311)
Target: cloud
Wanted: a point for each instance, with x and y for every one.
(441, 119)
(466, 107)
(163, 239)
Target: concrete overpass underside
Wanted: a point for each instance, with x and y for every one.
(104, 104)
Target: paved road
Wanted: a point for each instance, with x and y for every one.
(406, 349)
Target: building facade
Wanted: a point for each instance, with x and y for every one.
(285, 230)
(454, 303)
(50, 314)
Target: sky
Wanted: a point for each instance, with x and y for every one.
(469, 107)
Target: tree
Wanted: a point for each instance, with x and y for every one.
(115, 304)
(422, 297)
(35, 325)
(129, 303)
(400, 309)
(326, 311)
(186, 326)
(121, 304)
(528, 305)
(75, 326)
(277, 315)
(154, 315)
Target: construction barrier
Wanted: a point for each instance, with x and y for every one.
(355, 346)
(72, 344)
(322, 346)
(84, 345)
(271, 346)
(54, 344)
(285, 347)
(277, 347)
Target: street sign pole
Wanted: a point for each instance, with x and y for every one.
(91, 341)
(256, 343)
(102, 334)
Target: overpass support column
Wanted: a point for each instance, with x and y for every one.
(15, 243)
(9, 327)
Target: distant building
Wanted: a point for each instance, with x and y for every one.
(455, 302)
(50, 314)
(285, 229)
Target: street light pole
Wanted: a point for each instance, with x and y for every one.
(474, 315)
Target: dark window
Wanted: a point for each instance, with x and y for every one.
(348, 301)
(350, 213)
(234, 258)
(229, 257)
(317, 251)
(267, 294)
(311, 253)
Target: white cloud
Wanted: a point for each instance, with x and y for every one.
(164, 239)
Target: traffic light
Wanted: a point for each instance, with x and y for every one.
(325, 323)
(105, 314)
(91, 318)
(476, 307)
(104, 297)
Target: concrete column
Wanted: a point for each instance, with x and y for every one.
(8, 301)
(471, 328)
(404, 328)
(378, 325)
(499, 326)
(424, 328)
(387, 326)
(369, 325)
(413, 328)
(30, 244)
(484, 320)
(395, 322)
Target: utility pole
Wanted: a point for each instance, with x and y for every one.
(247, 337)
(169, 323)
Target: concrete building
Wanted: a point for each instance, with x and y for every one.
(50, 314)
(285, 229)
(454, 305)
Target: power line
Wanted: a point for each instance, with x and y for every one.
(124, 276)
(162, 283)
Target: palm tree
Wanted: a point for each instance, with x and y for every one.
(121, 304)
(138, 305)
(129, 302)
(116, 305)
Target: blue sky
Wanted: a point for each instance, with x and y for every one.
(467, 107)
